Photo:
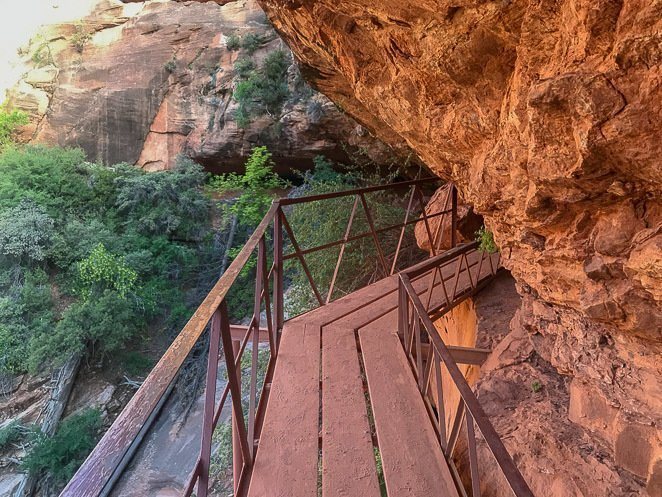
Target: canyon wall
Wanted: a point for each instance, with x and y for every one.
(143, 82)
(548, 116)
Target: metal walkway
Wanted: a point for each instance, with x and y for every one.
(353, 395)
(327, 361)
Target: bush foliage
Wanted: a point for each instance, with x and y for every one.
(262, 90)
(62, 454)
(90, 255)
(485, 240)
(10, 121)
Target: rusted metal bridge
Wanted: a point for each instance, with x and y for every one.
(352, 402)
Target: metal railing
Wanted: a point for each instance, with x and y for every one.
(105, 465)
(429, 355)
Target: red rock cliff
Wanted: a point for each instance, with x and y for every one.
(145, 82)
(548, 116)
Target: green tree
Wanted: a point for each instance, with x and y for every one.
(26, 311)
(91, 256)
(26, 232)
(166, 202)
(263, 90)
(233, 42)
(257, 186)
(251, 42)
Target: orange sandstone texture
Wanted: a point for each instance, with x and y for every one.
(548, 116)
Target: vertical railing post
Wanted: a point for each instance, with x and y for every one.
(210, 401)
(473, 455)
(403, 311)
(278, 312)
(255, 345)
(237, 458)
(234, 373)
(453, 215)
(375, 238)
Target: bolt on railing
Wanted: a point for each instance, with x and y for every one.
(427, 353)
(104, 466)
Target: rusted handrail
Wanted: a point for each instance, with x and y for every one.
(414, 320)
(105, 464)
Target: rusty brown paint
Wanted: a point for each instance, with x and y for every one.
(412, 461)
(285, 469)
(348, 229)
(364, 234)
(369, 189)
(348, 460)
(100, 465)
(469, 400)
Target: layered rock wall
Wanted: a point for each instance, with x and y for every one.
(548, 116)
(143, 82)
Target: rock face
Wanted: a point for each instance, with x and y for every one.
(548, 116)
(144, 82)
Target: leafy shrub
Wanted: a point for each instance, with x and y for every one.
(25, 312)
(256, 185)
(10, 434)
(242, 118)
(315, 111)
(251, 42)
(233, 42)
(42, 54)
(10, 121)
(166, 202)
(170, 66)
(243, 67)
(265, 89)
(485, 241)
(102, 270)
(80, 37)
(91, 255)
(61, 455)
(26, 232)
(136, 364)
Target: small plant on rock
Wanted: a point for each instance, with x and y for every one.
(233, 43)
(536, 386)
(485, 240)
(80, 37)
(251, 42)
(62, 454)
(10, 121)
(243, 67)
(170, 66)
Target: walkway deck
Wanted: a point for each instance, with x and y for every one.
(342, 392)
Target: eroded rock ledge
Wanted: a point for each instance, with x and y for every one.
(548, 116)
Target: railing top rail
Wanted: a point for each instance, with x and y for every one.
(100, 464)
(356, 191)
(492, 439)
(438, 260)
